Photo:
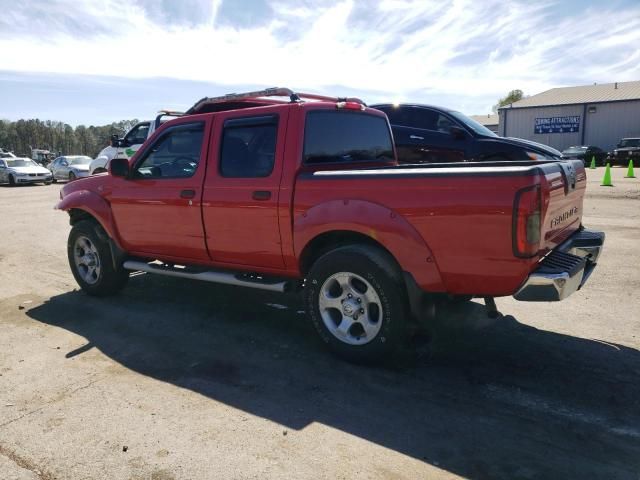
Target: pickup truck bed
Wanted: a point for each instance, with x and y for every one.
(452, 212)
(308, 196)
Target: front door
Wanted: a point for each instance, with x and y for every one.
(157, 209)
(240, 200)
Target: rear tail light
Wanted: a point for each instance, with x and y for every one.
(527, 212)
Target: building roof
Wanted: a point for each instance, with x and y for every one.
(488, 119)
(605, 92)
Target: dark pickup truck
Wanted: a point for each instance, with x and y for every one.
(305, 194)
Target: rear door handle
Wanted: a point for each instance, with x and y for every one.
(415, 137)
(189, 194)
(261, 195)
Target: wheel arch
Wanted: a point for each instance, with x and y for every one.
(361, 221)
(332, 239)
(86, 205)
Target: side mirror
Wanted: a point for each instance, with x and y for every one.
(115, 141)
(457, 133)
(119, 167)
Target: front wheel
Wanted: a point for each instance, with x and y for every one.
(91, 261)
(356, 299)
(12, 181)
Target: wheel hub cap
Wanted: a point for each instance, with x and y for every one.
(86, 259)
(350, 308)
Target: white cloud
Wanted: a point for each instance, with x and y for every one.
(467, 53)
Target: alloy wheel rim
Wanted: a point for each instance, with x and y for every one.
(87, 260)
(350, 308)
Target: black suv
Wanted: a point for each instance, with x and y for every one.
(627, 149)
(428, 134)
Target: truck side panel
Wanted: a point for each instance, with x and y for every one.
(464, 216)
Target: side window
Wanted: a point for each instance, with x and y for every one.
(343, 137)
(138, 135)
(444, 124)
(176, 154)
(398, 115)
(248, 147)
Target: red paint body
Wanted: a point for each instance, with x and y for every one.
(450, 227)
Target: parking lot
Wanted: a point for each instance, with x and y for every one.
(175, 379)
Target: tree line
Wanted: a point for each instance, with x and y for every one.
(23, 135)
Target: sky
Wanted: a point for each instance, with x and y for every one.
(98, 61)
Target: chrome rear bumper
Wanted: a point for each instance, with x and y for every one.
(565, 270)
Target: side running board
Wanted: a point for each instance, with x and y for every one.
(227, 278)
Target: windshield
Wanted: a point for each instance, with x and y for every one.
(20, 162)
(80, 161)
(575, 150)
(629, 142)
(472, 124)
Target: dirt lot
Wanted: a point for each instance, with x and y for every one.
(184, 380)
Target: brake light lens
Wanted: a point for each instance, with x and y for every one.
(527, 212)
(350, 106)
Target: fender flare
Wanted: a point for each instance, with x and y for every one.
(94, 205)
(381, 224)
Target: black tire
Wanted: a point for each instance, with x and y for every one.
(12, 181)
(72, 176)
(108, 280)
(53, 180)
(383, 274)
(48, 182)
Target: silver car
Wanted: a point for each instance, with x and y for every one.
(70, 167)
(18, 171)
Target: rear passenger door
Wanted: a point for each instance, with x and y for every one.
(240, 199)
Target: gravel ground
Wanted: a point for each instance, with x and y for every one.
(176, 379)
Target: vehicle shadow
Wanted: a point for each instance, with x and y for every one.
(494, 399)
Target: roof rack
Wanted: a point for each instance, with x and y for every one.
(166, 113)
(269, 92)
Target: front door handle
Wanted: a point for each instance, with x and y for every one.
(415, 137)
(189, 194)
(261, 195)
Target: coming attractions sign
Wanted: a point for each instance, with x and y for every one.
(569, 124)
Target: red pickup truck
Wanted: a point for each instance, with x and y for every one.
(305, 194)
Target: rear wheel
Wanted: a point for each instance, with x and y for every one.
(357, 301)
(72, 176)
(91, 261)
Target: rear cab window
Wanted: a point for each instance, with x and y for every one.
(337, 137)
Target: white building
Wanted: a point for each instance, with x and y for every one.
(490, 121)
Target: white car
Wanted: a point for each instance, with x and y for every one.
(128, 145)
(121, 147)
(18, 171)
(70, 167)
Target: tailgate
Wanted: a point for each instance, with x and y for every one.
(562, 201)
